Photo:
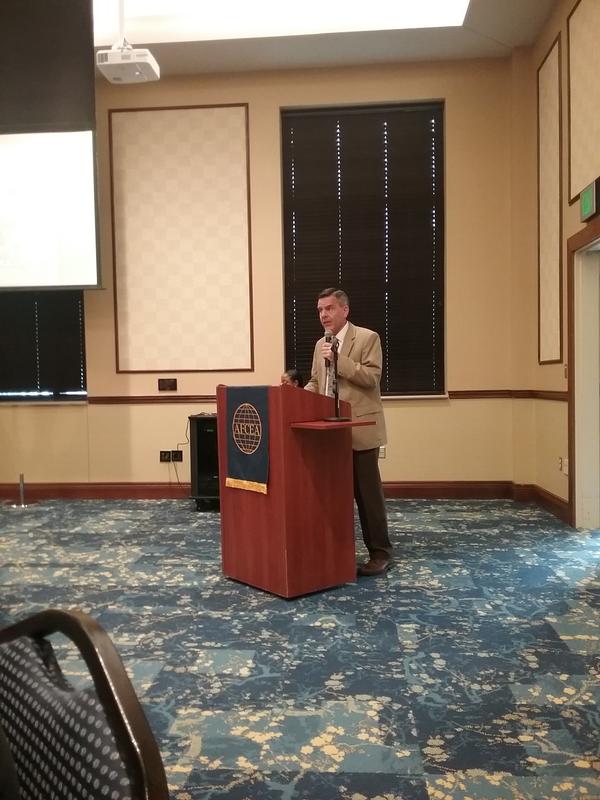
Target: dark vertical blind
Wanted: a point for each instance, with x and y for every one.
(47, 357)
(363, 209)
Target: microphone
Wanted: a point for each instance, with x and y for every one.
(329, 340)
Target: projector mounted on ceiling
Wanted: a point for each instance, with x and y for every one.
(126, 65)
(123, 64)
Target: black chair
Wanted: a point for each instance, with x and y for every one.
(66, 742)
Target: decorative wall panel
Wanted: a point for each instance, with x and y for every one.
(584, 95)
(549, 208)
(181, 239)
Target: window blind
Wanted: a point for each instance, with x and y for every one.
(363, 209)
(42, 346)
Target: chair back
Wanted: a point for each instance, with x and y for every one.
(68, 742)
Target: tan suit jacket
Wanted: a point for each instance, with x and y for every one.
(359, 374)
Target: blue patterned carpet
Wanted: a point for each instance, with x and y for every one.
(469, 672)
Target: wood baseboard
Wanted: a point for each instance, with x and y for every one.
(450, 490)
(529, 493)
(482, 490)
(95, 491)
(428, 490)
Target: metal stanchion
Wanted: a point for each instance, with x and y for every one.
(21, 503)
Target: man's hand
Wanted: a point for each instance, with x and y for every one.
(327, 351)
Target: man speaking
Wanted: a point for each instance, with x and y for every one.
(359, 362)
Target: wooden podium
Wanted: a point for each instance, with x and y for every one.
(299, 537)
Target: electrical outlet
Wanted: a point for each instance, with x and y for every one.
(563, 465)
(165, 455)
(176, 455)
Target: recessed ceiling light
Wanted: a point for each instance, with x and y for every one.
(190, 20)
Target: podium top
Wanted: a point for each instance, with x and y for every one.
(290, 405)
(329, 425)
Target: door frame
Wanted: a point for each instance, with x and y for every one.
(580, 241)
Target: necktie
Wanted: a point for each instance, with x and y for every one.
(331, 373)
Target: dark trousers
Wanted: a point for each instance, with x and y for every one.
(368, 493)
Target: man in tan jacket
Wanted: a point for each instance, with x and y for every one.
(359, 364)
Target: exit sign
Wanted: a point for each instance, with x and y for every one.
(589, 200)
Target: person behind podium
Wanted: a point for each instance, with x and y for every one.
(293, 377)
(359, 365)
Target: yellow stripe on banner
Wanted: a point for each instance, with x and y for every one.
(250, 486)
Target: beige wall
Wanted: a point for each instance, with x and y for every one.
(451, 440)
(491, 287)
(478, 204)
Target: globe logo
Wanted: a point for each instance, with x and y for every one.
(246, 428)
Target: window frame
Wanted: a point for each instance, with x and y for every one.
(301, 322)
